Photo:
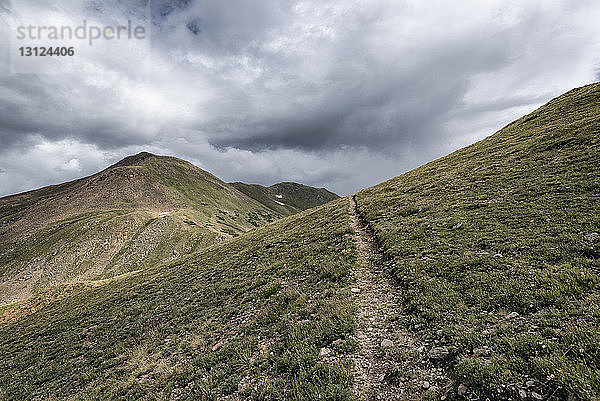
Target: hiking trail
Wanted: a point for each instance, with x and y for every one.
(390, 363)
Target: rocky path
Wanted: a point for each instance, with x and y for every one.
(375, 297)
(390, 364)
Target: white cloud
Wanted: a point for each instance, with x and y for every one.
(339, 94)
(45, 162)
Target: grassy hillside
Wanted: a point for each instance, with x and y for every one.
(287, 197)
(144, 210)
(245, 318)
(497, 247)
(494, 249)
(266, 197)
(300, 196)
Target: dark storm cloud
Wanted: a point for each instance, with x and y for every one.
(227, 28)
(30, 106)
(367, 103)
(339, 94)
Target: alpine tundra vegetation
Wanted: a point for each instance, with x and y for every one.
(485, 264)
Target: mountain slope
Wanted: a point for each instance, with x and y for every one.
(497, 247)
(494, 251)
(144, 210)
(287, 197)
(247, 316)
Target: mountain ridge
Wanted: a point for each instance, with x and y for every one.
(493, 252)
(141, 210)
(287, 197)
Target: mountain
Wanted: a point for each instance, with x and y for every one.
(475, 276)
(496, 248)
(287, 197)
(144, 210)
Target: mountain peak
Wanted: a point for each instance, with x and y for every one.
(135, 160)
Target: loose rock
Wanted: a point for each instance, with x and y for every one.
(387, 343)
(481, 351)
(324, 352)
(512, 315)
(355, 290)
(592, 237)
(462, 389)
(438, 353)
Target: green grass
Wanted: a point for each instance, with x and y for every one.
(272, 298)
(300, 196)
(287, 197)
(505, 225)
(109, 223)
(264, 196)
(510, 224)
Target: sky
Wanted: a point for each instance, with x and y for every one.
(341, 94)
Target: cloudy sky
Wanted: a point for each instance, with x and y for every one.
(335, 93)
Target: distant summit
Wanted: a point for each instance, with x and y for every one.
(134, 160)
(144, 210)
(287, 197)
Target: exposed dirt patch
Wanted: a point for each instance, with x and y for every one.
(391, 363)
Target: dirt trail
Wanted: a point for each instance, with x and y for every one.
(373, 363)
(390, 364)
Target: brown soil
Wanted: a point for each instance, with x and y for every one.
(400, 371)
